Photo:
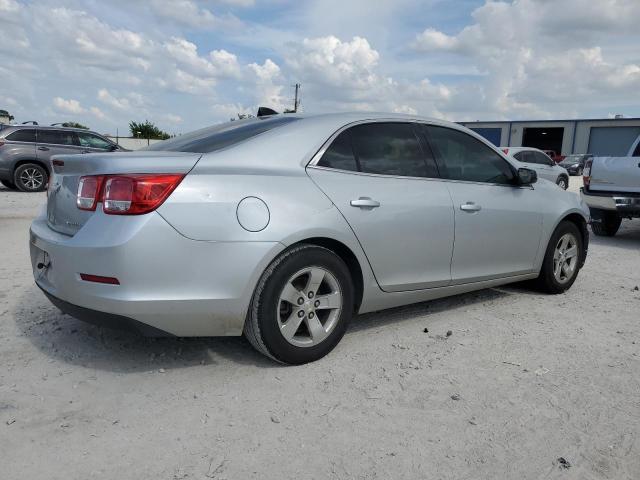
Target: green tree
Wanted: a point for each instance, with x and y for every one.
(74, 125)
(4, 113)
(148, 130)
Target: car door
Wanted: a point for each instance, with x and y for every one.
(91, 143)
(546, 167)
(386, 186)
(498, 224)
(51, 142)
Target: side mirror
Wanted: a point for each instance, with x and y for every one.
(114, 147)
(526, 176)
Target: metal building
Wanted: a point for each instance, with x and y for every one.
(604, 137)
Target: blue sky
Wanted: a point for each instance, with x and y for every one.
(184, 64)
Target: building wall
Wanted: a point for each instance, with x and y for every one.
(582, 128)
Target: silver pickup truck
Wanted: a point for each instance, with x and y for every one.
(612, 190)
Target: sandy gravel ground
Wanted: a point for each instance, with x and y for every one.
(523, 380)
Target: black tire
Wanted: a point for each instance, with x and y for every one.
(9, 185)
(605, 223)
(547, 281)
(262, 326)
(31, 177)
(563, 182)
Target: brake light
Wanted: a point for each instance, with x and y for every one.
(506, 151)
(1, 142)
(586, 172)
(88, 192)
(126, 194)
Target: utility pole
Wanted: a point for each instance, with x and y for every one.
(296, 102)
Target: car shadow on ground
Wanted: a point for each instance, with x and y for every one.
(72, 341)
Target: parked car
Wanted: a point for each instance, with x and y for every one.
(26, 150)
(612, 190)
(541, 163)
(283, 227)
(574, 164)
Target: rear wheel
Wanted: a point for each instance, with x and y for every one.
(301, 306)
(563, 182)
(562, 259)
(605, 223)
(31, 177)
(8, 184)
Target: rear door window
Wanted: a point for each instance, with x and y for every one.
(23, 135)
(463, 157)
(57, 137)
(391, 149)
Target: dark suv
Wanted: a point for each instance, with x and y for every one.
(26, 150)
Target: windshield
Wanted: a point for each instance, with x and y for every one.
(218, 137)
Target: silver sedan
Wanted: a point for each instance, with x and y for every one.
(282, 228)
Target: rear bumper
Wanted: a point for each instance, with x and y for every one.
(104, 319)
(625, 204)
(168, 283)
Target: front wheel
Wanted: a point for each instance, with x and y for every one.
(31, 177)
(301, 306)
(562, 260)
(563, 183)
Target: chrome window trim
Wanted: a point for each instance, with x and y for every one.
(313, 163)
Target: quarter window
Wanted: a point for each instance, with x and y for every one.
(463, 157)
(93, 141)
(390, 149)
(23, 135)
(340, 154)
(57, 137)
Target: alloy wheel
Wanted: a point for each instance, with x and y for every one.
(309, 306)
(32, 178)
(565, 258)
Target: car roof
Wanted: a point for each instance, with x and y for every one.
(46, 127)
(522, 149)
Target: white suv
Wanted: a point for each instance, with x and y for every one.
(541, 163)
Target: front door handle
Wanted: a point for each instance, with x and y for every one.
(365, 202)
(470, 207)
(44, 149)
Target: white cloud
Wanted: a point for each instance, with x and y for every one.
(337, 63)
(172, 118)
(97, 113)
(9, 6)
(67, 106)
(543, 59)
(185, 12)
(120, 103)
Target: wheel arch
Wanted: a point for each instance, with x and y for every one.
(34, 161)
(347, 256)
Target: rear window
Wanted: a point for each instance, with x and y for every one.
(22, 135)
(57, 137)
(218, 137)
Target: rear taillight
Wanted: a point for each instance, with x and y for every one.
(127, 194)
(1, 142)
(88, 192)
(506, 151)
(586, 172)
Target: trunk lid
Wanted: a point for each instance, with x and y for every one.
(64, 216)
(615, 174)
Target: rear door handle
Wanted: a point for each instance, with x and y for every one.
(44, 149)
(365, 202)
(470, 207)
